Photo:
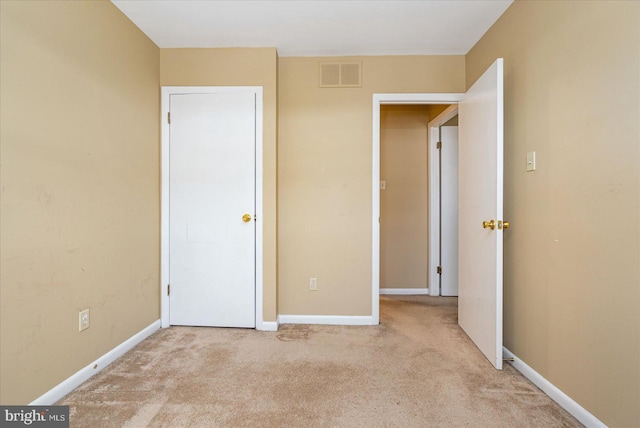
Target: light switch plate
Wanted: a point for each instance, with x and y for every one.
(531, 161)
(83, 320)
(383, 185)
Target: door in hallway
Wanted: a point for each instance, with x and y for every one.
(449, 210)
(212, 209)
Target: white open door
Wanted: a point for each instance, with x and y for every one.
(449, 210)
(480, 200)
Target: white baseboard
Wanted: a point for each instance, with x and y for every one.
(566, 402)
(59, 391)
(268, 326)
(404, 291)
(326, 319)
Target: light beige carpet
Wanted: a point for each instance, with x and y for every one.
(417, 369)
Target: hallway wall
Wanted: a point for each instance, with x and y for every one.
(404, 204)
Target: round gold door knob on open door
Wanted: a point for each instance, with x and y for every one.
(490, 224)
(246, 218)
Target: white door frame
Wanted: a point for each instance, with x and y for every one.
(378, 100)
(434, 196)
(166, 92)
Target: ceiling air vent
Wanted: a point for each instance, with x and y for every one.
(340, 74)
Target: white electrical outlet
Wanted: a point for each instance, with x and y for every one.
(83, 320)
(313, 284)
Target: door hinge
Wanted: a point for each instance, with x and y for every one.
(439, 145)
(168, 289)
(439, 270)
(169, 118)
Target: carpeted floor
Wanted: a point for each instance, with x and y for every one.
(417, 369)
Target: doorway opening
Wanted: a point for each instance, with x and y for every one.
(403, 99)
(412, 174)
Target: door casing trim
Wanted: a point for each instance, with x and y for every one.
(166, 92)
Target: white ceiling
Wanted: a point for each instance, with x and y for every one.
(318, 28)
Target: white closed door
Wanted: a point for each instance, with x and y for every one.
(481, 200)
(212, 209)
(449, 210)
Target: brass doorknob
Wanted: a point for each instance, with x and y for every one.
(503, 224)
(246, 218)
(490, 224)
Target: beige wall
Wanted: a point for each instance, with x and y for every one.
(324, 176)
(240, 67)
(572, 255)
(403, 204)
(79, 168)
